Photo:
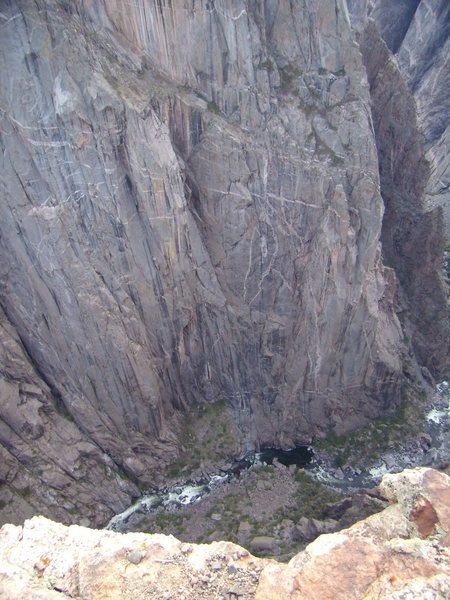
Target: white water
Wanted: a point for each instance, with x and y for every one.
(189, 493)
(181, 494)
(177, 495)
(440, 414)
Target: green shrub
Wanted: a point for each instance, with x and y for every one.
(213, 107)
(24, 492)
(266, 64)
(288, 73)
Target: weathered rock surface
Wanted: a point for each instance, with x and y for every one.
(400, 553)
(190, 212)
(412, 238)
(44, 457)
(426, 67)
(417, 33)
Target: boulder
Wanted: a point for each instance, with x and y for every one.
(263, 543)
(304, 529)
(400, 553)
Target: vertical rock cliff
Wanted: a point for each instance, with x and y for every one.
(410, 107)
(417, 33)
(190, 212)
(412, 238)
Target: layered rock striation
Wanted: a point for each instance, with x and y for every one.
(412, 237)
(190, 212)
(401, 552)
(417, 33)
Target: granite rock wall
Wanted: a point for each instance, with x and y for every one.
(190, 212)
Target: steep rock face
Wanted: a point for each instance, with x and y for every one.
(45, 459)
(392, 18)
(417, 32)
(426, 66)
(191, 212)
(412, 238)
(400, 553)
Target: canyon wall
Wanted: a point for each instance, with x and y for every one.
(412, 238)
(417, 32)
(190, 213)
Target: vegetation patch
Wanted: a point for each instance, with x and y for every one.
(324, 151)
(208, 438)
(266, 64)
(61, 408)
(24, 492)
(366, 444)
(166, 520)
(214, 107)
(264, 501)
(311, 498)
(308, 109)
(287, 74)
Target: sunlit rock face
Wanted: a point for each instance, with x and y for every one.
(190, 212)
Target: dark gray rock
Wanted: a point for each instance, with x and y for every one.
(352, 509)
(417, 32)
(263, 543)
(304, 530)
(135, 556)
(412, 238)
(394, 20)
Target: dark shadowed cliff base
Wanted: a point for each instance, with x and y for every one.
(191, 214)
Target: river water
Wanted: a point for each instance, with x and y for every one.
(433, 448)
(436, 428)
(193, 491)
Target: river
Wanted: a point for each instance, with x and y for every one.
(436, 428)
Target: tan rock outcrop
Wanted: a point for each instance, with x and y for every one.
(386, 556)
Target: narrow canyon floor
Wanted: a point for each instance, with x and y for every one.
(276, 510)
(272, 510)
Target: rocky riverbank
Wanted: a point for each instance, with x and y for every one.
(413, 436)
(275, 510)
(400, 553)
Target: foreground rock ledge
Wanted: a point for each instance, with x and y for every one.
(399, 553)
